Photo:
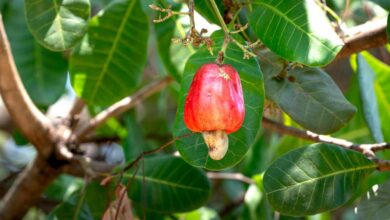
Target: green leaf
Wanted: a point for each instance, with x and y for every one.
(109, 62)
(309, 96)
(366, 79)
(164, 34)
(72, 208)
(63, 187)
(134, 143)
(383, 3)
(57, 25)
(356, 130)
(43, 72)
(193, 149)
(2, 4)
(315, 179)
(84, 203)
(382, 89)
(297, 30)
(97, 198)
(205, 8)
(167, 184)
(376, 204)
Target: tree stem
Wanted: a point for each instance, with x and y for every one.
(367, 149)
(121, 106)
(27, 188)
(219, 16)
(34, 125)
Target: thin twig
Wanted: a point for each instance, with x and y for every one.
(168, 11)
(121, 106)
(369, 35)
(191, 14)
(308, 135)
(230, 176)
(367, 149)
(162, 147)
(219, 16)
(27, 188)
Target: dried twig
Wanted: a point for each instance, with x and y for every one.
(121, 106)
(230, 176)
(367, 149)
(169, 13)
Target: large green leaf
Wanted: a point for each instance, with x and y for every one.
(308, 95)
(73, 208)
(297, 30)
(366, 79)
(59, 24)
(356, 129)
(85, 203)
(62, 187)
(193, 149)
(43, 72)
(315, 179)
(108, 64)
(2, 4)
(168, 184)
(376, 204)
(134, 143)
(382, 89)
(205, 8)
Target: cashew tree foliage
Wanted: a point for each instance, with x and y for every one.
(95, 120)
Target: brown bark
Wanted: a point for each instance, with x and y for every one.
(27, 189)
(33, 124)
(369, 35)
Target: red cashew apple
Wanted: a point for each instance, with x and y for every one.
(214, 106)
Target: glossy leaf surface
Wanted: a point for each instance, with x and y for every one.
(108, 64)
(309, 96)
(376, 204)
(315, 179)
(168, 184)
(382, 89)
(57, 25)
(366, 79)
(297, 30)
(193, 149)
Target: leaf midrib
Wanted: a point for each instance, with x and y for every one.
(58, 20)
(372, 166)
(275, 10)
(113, 48)
(320, 103)
(164, 182)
